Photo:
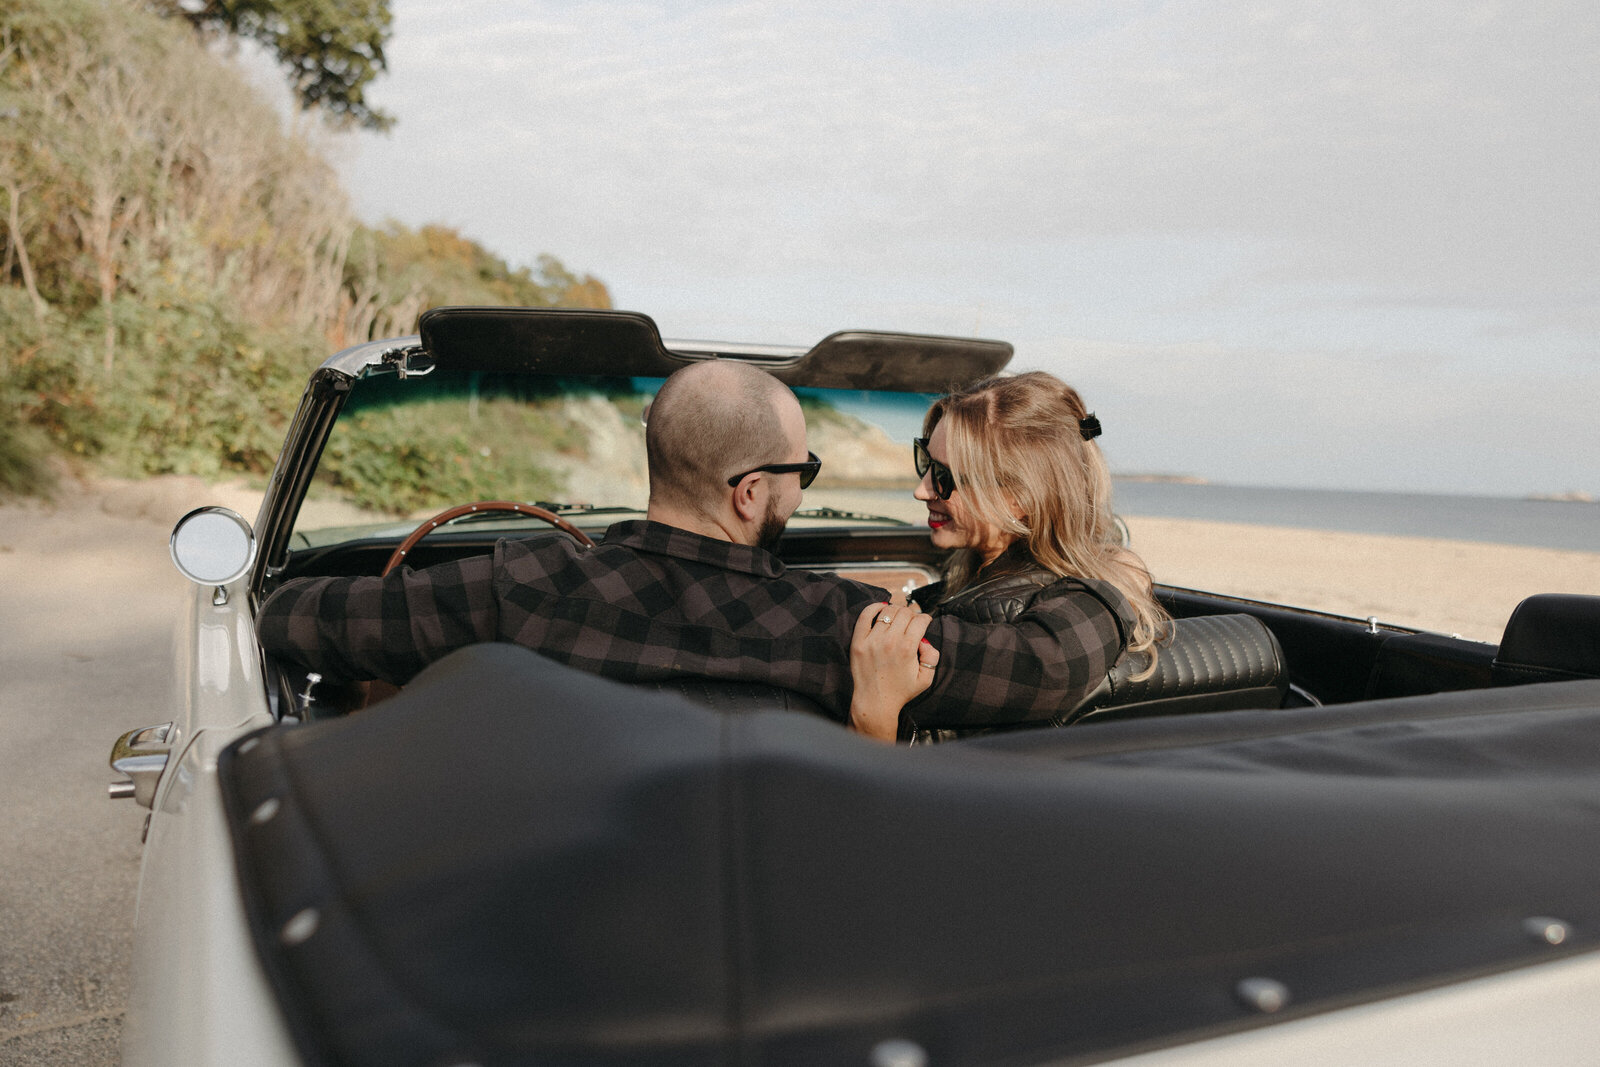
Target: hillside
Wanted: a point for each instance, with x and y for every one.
(176, 254)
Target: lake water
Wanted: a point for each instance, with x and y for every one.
(1500, 520)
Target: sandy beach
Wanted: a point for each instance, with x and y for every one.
(1459, 587)
(1455, 587)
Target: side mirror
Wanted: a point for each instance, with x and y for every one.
(213, 546)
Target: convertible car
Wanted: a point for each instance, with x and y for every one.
(1305, 839)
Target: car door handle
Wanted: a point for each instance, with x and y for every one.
(141, 755)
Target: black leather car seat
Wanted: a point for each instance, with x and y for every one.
(1551, 637)
(1211, 663)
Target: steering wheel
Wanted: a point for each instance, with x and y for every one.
(376, 690)
(451, 514)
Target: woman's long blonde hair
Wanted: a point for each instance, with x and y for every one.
(1016, 440)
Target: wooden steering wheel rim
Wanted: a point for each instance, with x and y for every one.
(451, 514)
(376, 691)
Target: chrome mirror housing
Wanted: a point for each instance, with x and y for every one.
(213, 546)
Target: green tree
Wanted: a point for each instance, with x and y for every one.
(332, 49)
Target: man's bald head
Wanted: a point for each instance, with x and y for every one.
(708, 422)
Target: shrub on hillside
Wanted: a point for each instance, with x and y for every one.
(204, 394)
(24, 471)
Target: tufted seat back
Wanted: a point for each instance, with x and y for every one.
(1211, 663)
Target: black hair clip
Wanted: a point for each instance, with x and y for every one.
(1089, 426)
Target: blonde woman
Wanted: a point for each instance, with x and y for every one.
(1040, 597)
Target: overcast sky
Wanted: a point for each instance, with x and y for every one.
(1345, 244)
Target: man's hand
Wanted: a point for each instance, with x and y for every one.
(890, 663)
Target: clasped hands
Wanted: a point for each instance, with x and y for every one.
(891, 662)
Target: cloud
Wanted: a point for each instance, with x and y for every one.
(1447, 153)
(1291, 183)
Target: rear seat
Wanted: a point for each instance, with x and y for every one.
(1211, 663)
(1551, 637)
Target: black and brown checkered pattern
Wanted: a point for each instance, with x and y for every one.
(652, 602)
(999, 674)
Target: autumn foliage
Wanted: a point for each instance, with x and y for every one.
(175, 254)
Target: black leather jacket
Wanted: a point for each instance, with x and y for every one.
(1001, 592)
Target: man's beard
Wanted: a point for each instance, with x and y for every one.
(771, 529)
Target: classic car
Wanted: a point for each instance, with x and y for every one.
(1307, 839)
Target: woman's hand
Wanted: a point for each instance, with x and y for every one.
(890, 663)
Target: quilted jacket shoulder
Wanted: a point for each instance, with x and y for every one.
(1002, 593)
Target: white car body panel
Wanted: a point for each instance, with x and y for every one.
(200, 996)
(1534, 1015)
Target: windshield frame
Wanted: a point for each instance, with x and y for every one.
(553, 341)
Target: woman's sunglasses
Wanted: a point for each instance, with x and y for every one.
(944, 479)
(807, 470)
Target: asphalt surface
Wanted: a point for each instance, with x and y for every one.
(87, 602)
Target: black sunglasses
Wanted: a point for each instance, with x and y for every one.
(807, 470)
(944, 479)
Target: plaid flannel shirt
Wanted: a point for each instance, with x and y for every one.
(649, 602)
(652, 602)
(1042, 662)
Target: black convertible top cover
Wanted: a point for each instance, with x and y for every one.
(516, 863)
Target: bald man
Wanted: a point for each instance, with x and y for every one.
(691, 592)
(712, 417)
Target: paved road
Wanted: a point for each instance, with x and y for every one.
(87, 601)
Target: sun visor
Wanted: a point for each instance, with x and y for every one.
(554, 341)
(899, 362)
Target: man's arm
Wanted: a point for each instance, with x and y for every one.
(389, 628)
(999, 674)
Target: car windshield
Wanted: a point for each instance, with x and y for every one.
(404, 449)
